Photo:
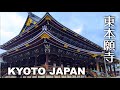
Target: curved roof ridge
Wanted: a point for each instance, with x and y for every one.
(47, 13)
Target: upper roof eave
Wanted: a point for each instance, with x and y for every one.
(29, 15)
(47, 14)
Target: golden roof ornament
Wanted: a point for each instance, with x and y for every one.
(48, 18)
(28, 31)
(102, 54)
(94, 55)
(27, 45)
(65, 45)
(76, 34)
(64, 29)
(34, 22)
(23, 30)
(78, 50)
(44, 36)
(36, 26)
(29, 22)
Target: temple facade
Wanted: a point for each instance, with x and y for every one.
(46, 42)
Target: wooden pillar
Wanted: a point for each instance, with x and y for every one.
(114, 69)
(101, 68)
(108, 68)
(97, 64)
(111, 69)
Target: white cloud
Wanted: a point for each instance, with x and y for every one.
(78, 30)
(10, 25)
(76, 24)
(2, 51)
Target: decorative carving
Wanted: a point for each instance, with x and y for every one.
(36, 51)
(47, 48)
(48, 18)
(28, 53)
(44, 27)
(44, 36)
(60, 51)
(29, 22)
(47, 22)
(74, 54)
(67, 52)
(21, 55)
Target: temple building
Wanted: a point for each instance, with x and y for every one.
(46, 42)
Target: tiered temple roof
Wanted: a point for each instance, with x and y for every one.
(34, 31)
(31, 23)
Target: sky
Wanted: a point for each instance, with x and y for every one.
(88, 24)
